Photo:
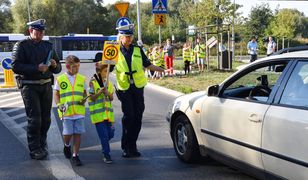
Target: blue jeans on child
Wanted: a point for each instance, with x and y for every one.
(105, 132)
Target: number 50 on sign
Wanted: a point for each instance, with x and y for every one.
(111, 52)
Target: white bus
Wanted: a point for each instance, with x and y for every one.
(84, 46)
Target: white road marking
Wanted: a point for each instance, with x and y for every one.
(13, 103)
(57, 164)
(9, 99)
(9, 94)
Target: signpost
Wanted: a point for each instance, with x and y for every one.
(159, 9)
(110, 55)
(122, 8)
(9, 82)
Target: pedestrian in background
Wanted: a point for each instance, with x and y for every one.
(70, 93)
(200, 53)
(169, 56)
(187, 57)
(101, 111)
(130, 82)
(253, 48)
(271, 48)
(35, 62)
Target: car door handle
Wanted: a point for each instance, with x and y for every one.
(254, 118)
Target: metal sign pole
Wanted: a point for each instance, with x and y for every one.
(138, 21)
(159, 35)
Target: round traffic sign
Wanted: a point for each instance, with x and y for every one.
(6, 63)
(123, 21)
(111, 52)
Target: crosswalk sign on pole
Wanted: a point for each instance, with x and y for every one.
(159, 7)
(160, 19)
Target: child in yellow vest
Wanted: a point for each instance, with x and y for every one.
(70, 92)
(101, 111)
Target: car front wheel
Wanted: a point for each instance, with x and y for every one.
(184, 140)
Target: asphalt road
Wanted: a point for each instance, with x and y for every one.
(158, 160)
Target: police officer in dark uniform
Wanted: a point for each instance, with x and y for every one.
(130, 82)
(35, 61)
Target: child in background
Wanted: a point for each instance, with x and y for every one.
(70, 93)
(101, 111)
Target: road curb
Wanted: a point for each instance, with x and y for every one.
(164, 90)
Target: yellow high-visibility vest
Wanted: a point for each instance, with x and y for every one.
(187, 54)
(156, 59)
(71, 95)
(101, 109)
(200, 49)
(123, 73)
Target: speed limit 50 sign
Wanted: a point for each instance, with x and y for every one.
(111, 52)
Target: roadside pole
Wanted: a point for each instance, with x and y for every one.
(138, 21)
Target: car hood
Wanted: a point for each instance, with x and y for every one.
(187, 101)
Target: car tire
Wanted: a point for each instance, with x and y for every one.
(184, 140)
(98, 57)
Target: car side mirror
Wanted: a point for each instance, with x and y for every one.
(213, 90)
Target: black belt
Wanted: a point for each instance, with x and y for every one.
(39, 82)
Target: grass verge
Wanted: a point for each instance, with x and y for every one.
(196, 81)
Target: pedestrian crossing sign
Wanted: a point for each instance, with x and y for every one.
(159, 7)
(160, 19)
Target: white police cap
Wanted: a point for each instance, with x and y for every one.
(38, 24)
(126, 30)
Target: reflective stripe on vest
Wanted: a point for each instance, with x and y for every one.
(122, 71)
(71, 95)
(157, 59)
(186, 55)
(101, 109)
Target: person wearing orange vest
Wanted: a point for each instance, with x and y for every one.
(101, 111)
(70, 93)
(131, 81)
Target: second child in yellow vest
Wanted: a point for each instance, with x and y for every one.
(70, 93)
(101, 111)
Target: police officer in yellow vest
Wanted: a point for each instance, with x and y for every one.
(131, 80)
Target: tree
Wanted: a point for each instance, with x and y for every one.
(259, 19)
(5, 16)
(70, 16)
(287, 23)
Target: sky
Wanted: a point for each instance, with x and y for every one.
(302, 6)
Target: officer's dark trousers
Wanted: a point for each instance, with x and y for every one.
(38, 102)
(132, 101)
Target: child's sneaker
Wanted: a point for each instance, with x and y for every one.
(67, 152)
(76, 161)
(107, 159)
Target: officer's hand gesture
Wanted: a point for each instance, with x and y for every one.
(53, 63)
(42, 67)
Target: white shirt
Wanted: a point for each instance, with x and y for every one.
(72, 81)
(270, 47)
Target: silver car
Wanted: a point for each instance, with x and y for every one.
(256, 120)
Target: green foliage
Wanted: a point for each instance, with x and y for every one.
(70, 16)
(259, 19)
(287, 23)
(5, 16)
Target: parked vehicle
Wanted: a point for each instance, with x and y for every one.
(256, 120)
